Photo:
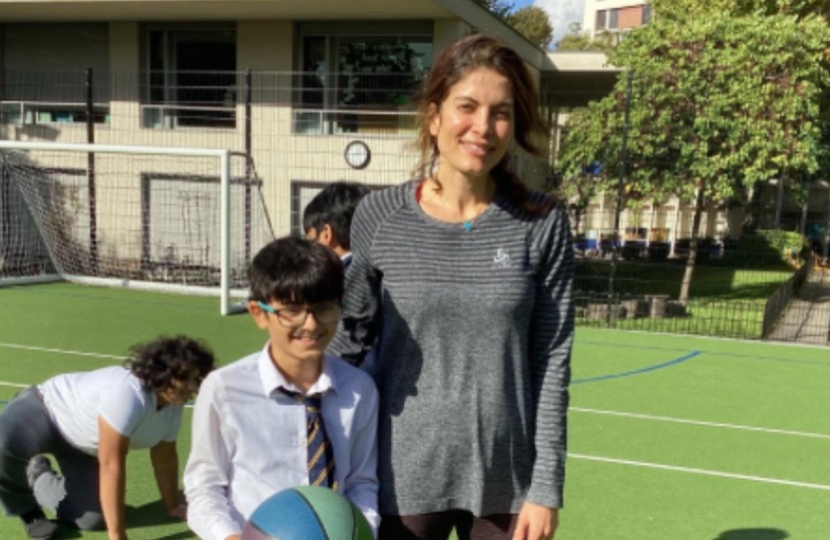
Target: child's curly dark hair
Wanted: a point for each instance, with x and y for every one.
(158, 362)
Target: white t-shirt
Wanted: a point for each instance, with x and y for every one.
(76, 400)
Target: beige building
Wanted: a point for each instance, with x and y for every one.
(312, 91)
(614, 16)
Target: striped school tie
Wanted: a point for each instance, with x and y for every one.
(320, 451)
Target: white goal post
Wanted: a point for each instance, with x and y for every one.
(182, 220)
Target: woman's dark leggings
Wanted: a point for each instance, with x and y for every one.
(439, 525)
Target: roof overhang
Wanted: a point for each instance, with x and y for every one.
(240, 10)
(212, 10)
(575, 78)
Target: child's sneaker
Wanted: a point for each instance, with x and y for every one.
(37, 526)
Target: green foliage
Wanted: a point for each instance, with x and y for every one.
(533, 23)
(359, 59)
(717, 104)
(787, 245)
(682, 10)
(498, 8)
(577, 40)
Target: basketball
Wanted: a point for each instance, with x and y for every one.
(307, 513)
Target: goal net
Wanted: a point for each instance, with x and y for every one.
(167, 219)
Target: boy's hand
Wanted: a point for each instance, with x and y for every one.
(179, 512)
(234, 537)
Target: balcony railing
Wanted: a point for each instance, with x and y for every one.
(321, 104)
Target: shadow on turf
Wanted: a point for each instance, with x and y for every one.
(753, 534)
(152, 514)
(67, 533)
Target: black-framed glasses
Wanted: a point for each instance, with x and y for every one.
(293, 316)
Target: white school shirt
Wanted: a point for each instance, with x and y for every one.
(76, 400)
(249, 441)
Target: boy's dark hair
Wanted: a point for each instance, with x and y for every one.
(296, 271)
(158, 362)
(335, 205)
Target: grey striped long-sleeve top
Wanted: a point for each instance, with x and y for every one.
(472, 331)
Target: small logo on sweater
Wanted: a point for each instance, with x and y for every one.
(502, 259)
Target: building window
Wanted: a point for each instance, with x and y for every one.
(602, 18)
(614, 19)
(356, 79)
(43, 73)
(189, 76)
(646, 14)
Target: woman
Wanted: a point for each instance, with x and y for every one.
(89, 421)
(461, 280)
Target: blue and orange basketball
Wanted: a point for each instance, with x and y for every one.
(307, 513)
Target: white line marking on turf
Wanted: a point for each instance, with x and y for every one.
(15, 385)
(703, 423)
(61, 351)
(704, 472)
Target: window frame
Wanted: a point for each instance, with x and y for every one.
(332, 117)
(165, 112)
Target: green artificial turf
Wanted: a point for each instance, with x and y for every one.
(671, 437)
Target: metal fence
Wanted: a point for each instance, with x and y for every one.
(634, 278)
(747, 266)
(294, 128)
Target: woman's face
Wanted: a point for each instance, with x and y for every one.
(473, 127)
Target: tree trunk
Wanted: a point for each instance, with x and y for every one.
(686, 285)
(676, 231)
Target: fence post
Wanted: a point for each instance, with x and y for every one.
(90, 168)
(249, 168)
(618, 203)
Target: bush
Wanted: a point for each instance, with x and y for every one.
(764, 249)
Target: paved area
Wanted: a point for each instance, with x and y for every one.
(807, 318)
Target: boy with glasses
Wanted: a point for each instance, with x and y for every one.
(290, 414)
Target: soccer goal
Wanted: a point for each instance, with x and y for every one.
(181, 220)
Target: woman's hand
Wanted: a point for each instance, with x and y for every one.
(536, 522)
(179, 512)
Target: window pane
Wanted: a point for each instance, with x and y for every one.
(313, 79)
(601, 19)
(614, 19)
(205, 77)
(359, 80)
(380, 70)
(646, 13)
(156, 56)
(191, 77)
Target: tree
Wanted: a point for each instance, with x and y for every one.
(718, 104)
(499, 8)
(533, 23)
(577, 40)
(585, 177)
(682, 10)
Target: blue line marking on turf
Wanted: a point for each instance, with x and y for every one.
(638, 371)
(743, 356)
